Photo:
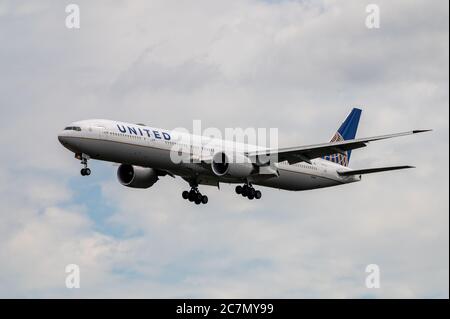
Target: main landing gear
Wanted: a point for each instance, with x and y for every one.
(195, 196)
(85, 171)
(248, 191)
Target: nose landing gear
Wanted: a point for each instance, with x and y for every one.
(85, 171)
(248, 191)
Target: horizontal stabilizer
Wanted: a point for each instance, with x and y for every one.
(372, 170)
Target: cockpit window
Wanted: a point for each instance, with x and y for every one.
(73, 128)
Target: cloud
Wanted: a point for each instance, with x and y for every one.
(295, 65)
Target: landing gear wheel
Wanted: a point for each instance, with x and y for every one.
(247, 190)
(195, 196)
(85, 171)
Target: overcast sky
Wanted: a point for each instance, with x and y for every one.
(299, 66)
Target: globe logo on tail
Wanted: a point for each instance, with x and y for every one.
(341, 159)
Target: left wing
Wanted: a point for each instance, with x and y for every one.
(307, 153)
(371, 170)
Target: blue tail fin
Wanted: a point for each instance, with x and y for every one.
(347, 131)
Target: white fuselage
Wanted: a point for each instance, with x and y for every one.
(145, 146)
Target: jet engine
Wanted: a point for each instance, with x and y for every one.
(234, 165)
(136, 176)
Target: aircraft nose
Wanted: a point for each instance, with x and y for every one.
(62, 138)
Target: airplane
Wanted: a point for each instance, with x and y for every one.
(146, 153)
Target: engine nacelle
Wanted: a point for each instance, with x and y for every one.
(136, 176)
(234, 165)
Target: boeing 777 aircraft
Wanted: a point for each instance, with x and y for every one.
(146, 153)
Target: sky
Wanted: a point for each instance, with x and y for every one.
(299, 66)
